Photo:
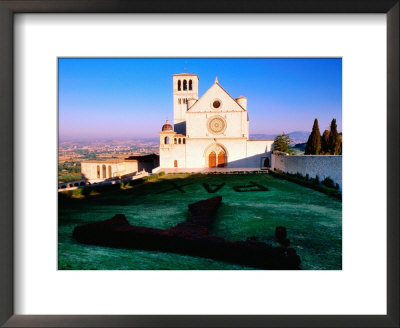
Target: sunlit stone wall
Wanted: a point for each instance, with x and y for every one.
(322, 165)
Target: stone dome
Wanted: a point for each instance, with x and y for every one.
(167, 127)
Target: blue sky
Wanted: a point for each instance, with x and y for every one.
(132, 97)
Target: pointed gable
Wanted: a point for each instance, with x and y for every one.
(216, 99)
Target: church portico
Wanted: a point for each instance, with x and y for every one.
(210, 132)
(216, 156)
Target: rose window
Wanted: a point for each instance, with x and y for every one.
(216, 125)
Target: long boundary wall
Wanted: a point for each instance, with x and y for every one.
(322, 165)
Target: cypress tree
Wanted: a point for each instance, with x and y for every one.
(325, 143)
(334, 139)
(313, 146)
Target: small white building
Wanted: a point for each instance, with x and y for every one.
(97, 171)
(212, 131)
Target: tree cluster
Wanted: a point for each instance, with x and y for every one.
(282, 143)
(330, 143)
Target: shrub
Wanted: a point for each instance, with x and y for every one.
(328, 182)
(282, 143)
(153, 176)
(299, 175)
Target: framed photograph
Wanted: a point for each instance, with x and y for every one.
(199, 164)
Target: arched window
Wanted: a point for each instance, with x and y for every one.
(184, 141)
(179, 141)
(98, 171)
(175, 163)
(109, 171)
(179, 100)
(175, 141)
(104, 172)
(166, 140)
(179, 85)
(184, 85)
(190, 84)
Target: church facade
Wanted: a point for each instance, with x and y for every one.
(210, 131)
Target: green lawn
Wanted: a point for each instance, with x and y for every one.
(313, 220)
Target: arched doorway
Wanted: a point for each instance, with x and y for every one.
(216, 155)
(221, 159)
(175, 163)
(212, 160)
(266, 162)
(104, 172)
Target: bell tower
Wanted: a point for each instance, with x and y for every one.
(185, 87)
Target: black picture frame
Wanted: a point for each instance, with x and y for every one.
(10, 7)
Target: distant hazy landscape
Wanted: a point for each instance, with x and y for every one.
(296, 137)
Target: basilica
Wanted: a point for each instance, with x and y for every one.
(210, 131)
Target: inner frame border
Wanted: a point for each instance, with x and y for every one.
(10, 7)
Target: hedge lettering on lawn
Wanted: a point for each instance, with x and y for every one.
(250, 187)
(212, 188)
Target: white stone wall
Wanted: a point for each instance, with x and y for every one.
(322, 165)
(256, 149)
(174, 152)
(197, 156)
(241, 153)
(236, 149)
(89, 171)
(195, 152)
(130, 167)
